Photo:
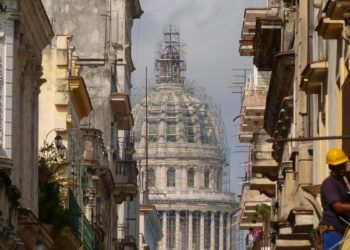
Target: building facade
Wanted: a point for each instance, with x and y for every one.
(178, 142)
(304, 45)
(25, 31)
(104, 59)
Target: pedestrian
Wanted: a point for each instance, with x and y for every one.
(335, 200)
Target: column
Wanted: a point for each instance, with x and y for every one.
(221, 232)
(184, 177)
(177, 230)
(212, 231)
(165, 219)
(190, 230)
(201, 237)
(228, 232)
(164, 177)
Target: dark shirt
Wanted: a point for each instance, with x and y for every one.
(333, 190)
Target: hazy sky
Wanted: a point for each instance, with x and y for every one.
(211, 31)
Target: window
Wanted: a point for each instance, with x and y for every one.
(189, 127)
(170, 110)
(206, 178)
(151, 177)
(171, 177)
(190, 178)
(152, 130)
(171, 130)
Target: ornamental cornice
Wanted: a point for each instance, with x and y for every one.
(194, 208)
(36, 18)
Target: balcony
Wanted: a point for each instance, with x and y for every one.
(79, 96)
(126, 146)
(281, 86)
(249, 200)
(335, 9)
(282, 126)
(121, 108)
(301, 220)
(95, 154)
(249, 27)
(286, 239)
(120, 103)
(263, 185)
(125, 122)
(125, 184)
(246, 47)
(136, 10)
(125, 239)
(262, 161)
(252, 113)
(329, 29)
(312, 77)
(80, 225)
(267, 42)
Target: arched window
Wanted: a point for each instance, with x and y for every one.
(190, 178)
(151, 177)
(206, 178)
(171, 177)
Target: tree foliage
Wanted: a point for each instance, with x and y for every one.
(52, 169)
(262, 210)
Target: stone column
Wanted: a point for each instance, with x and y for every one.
(165, 219)
(221, 232)
(190, 230)
(212, 231)
(228, 232)
(201, 238)
(184, 177)
(177, 230)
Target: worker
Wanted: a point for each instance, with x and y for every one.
(335, 200)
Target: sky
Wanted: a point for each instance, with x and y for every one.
(211, 30)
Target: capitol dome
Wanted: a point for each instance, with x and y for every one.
(182, 157)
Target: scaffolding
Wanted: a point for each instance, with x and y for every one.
(170, 66)
(185, 132)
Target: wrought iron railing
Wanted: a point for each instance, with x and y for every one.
(124, 234)
(80, 224)
(126, 172)
(126, 147)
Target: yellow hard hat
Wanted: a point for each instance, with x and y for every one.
(336, 156)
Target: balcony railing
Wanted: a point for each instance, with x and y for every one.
(94, 148)
(125, 184)
(126, 147)
(124, 237)
(80, 224)
(126, 172)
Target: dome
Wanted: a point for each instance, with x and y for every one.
(178, 122)
(182, 158)
(184, 135)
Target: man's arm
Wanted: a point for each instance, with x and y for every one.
(340, 207)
